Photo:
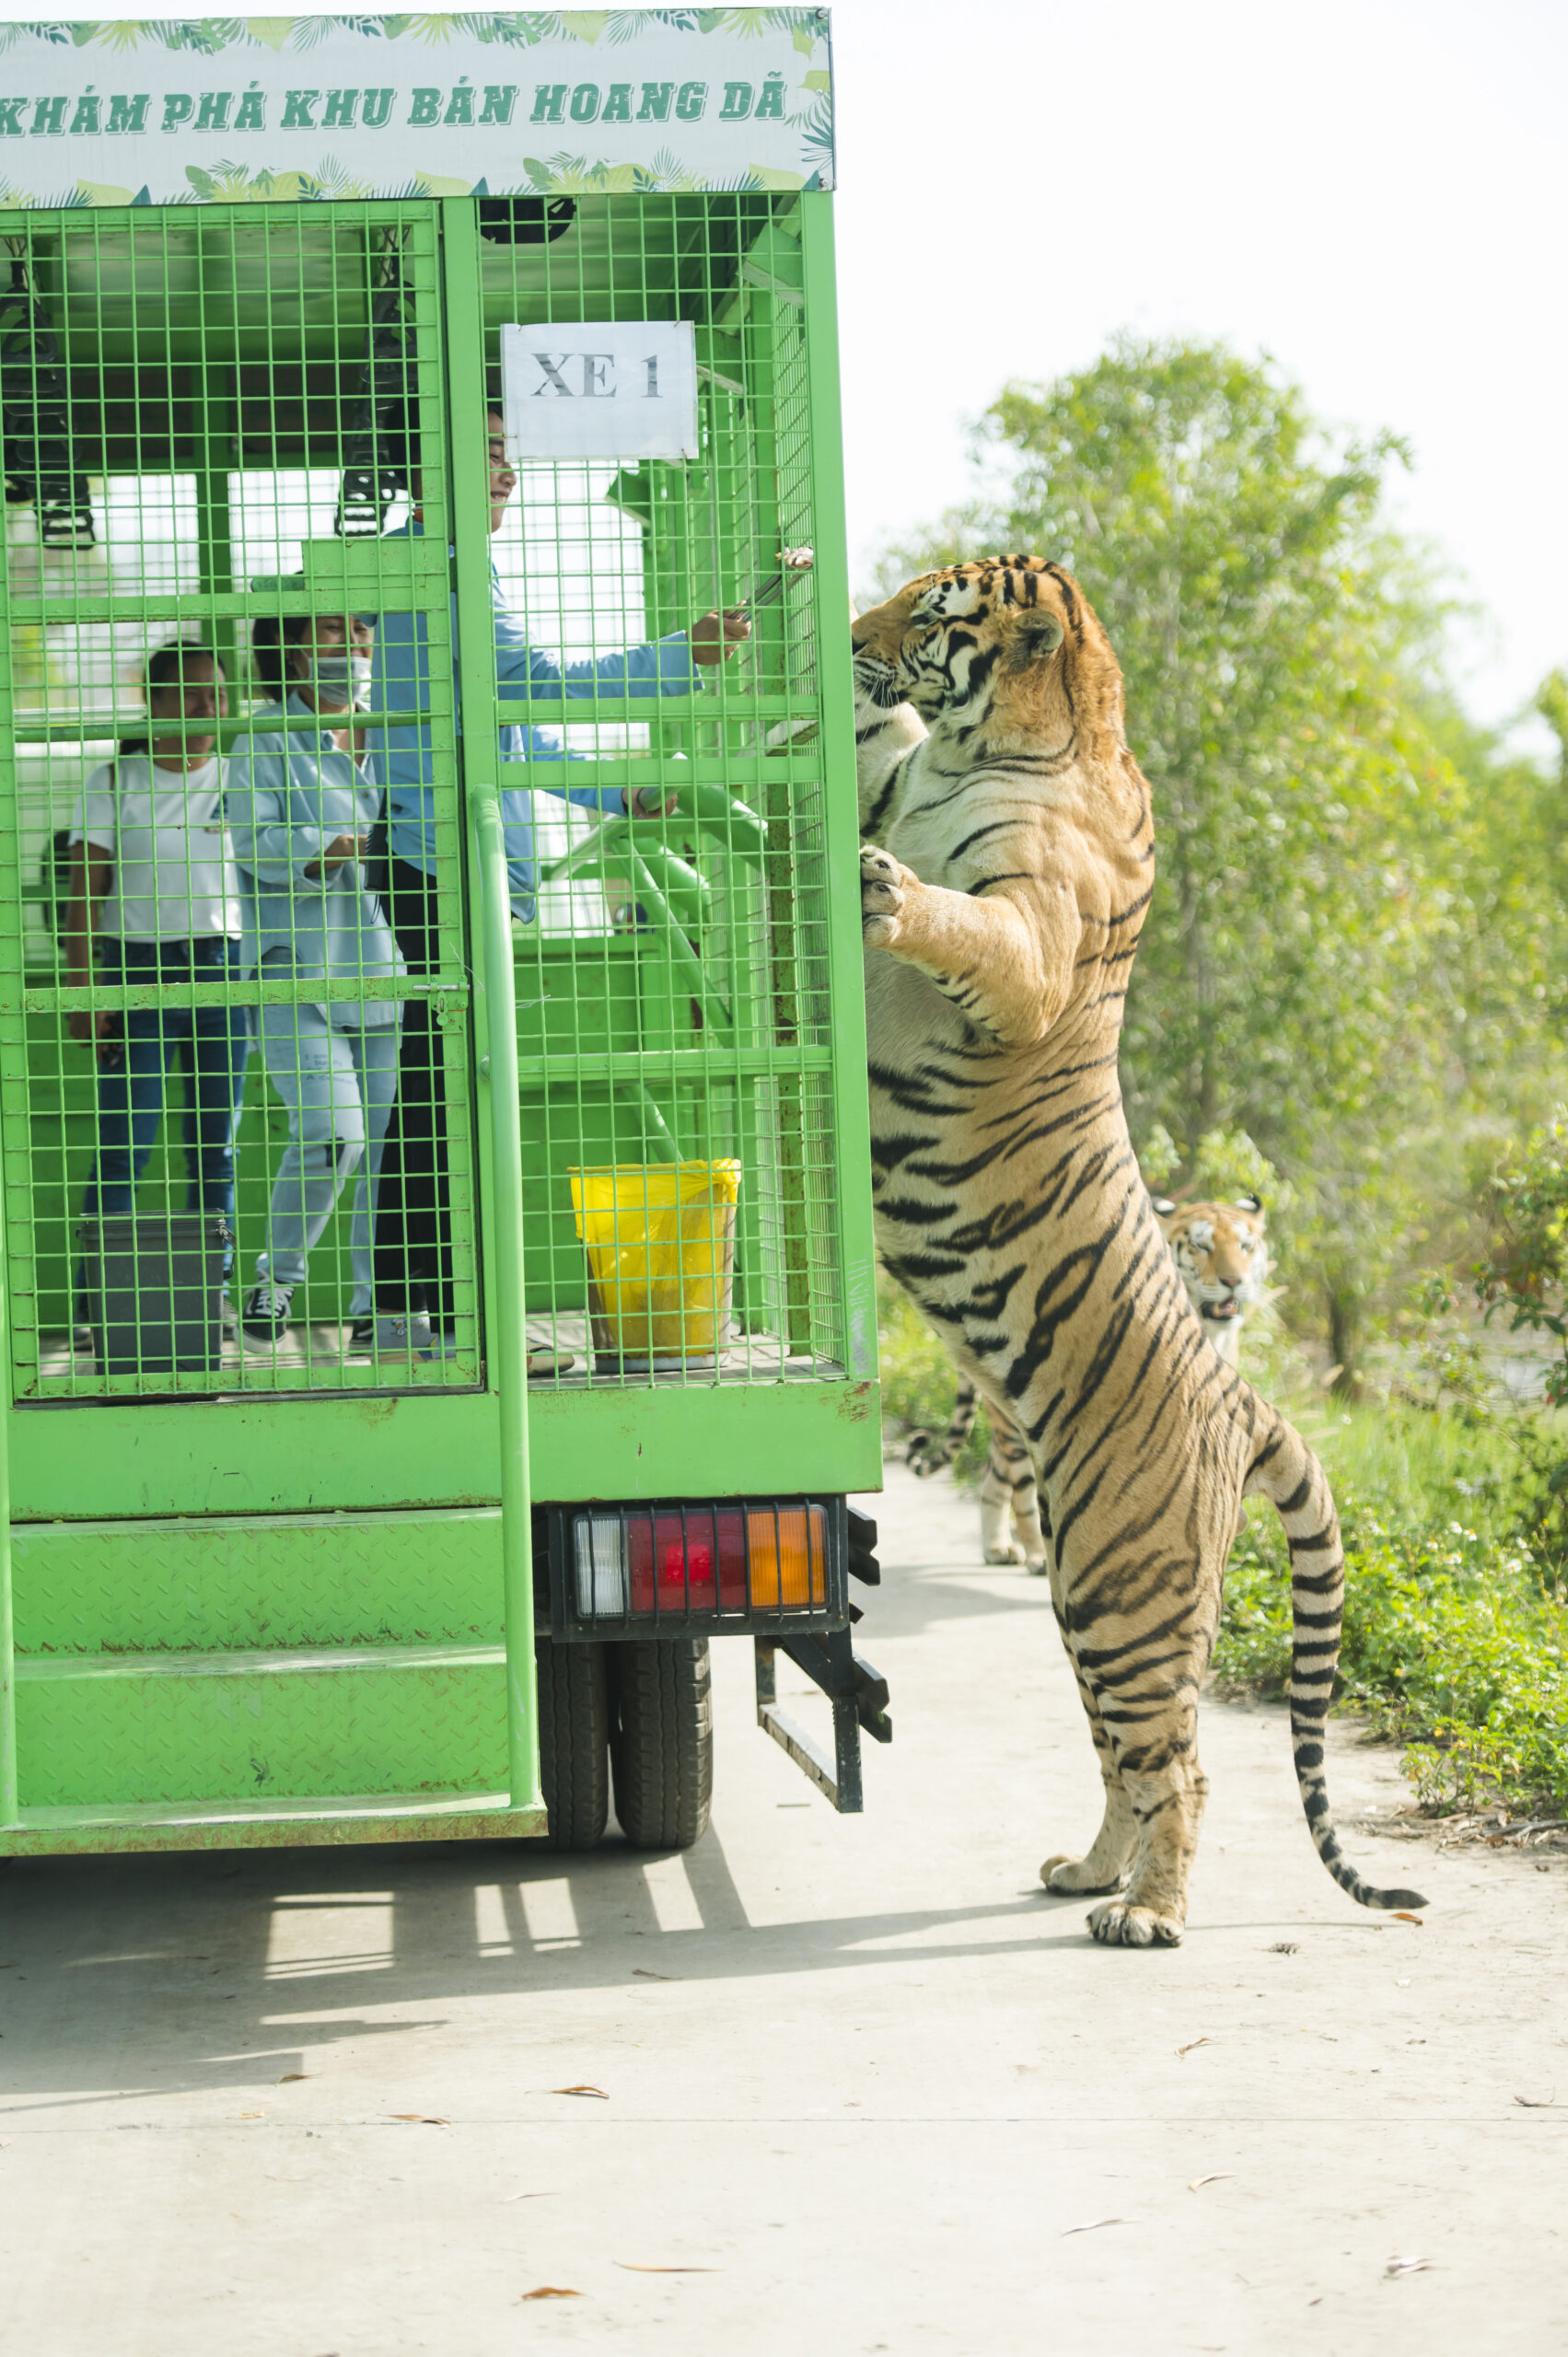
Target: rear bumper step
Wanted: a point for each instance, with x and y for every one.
(271, 1824)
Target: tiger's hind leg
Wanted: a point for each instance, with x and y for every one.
(1139, 1685)
(1009, 1499)
(1167, 1805)
(1104, 1867)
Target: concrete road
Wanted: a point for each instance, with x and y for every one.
(864, 2087)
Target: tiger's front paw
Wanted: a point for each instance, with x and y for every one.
(882, 880)
(1120, 1923)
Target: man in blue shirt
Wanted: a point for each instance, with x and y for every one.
(413, 1253)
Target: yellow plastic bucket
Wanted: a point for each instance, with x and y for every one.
(660, 1241)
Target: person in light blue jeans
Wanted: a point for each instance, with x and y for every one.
(300, 805)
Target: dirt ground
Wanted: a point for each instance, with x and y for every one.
(861, 2086)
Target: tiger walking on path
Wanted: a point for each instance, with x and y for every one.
(1001, 921)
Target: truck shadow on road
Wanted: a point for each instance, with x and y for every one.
(159, 1975)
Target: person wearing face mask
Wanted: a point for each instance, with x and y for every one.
(413, 1254)
(154, 898)
(301, 805)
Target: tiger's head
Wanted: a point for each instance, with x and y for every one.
(1223, 1255)
(1006, 649)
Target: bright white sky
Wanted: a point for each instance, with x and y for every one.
(1374, 192)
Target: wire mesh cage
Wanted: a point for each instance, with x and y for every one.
(430, 1036)
(238, 985)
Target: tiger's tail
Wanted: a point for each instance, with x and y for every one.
(1286, 1473)
(926, 1453)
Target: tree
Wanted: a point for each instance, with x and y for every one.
(1303, 977)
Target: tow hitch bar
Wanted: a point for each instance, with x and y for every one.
(858, 1695)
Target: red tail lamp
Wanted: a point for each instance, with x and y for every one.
(638, 1560)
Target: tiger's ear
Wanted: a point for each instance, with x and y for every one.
(1035, 636)
(1162, 1206)
(1250, 1203)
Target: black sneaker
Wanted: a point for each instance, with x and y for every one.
(266, 1316)
(362, 1336)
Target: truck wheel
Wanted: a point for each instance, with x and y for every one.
(573, 1738)
(661, 1751)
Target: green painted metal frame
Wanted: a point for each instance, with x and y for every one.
(282, 1457)
(845, 949)
(495, 1011)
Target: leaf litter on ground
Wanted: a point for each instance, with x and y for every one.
(581, 2091)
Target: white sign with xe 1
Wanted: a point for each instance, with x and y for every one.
(626, 391)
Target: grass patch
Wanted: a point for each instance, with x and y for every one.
(1453, 1646)
(1456, 1636)
(1449, 1646)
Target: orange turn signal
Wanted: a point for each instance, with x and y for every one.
(789, 1552)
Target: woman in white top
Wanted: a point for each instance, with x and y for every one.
(300, 805)
(154, 897)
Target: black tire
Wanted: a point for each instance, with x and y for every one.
(574, 1742)
(661, 1751)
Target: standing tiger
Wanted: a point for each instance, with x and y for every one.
(1000, 923)
(1223, 1259)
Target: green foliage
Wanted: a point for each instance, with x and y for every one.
(1524, 1273)
(1454, 1643)
(919, 1378)
(1449, 1646)
(1353, 955)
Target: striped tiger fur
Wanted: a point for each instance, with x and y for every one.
(1222, 1258)
(1001, 921)
(1010, 1529)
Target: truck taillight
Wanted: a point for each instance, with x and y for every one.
(788, 1549)
(634, 1561)
(673, 1558)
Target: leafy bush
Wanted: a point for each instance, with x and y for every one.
(919, 1379)
(1450, 1645)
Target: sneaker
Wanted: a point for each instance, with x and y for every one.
(361, 1336)
(408, 1336)
(266, 1316)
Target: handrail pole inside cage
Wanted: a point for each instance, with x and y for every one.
(507, 1342)
(856, 1281)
